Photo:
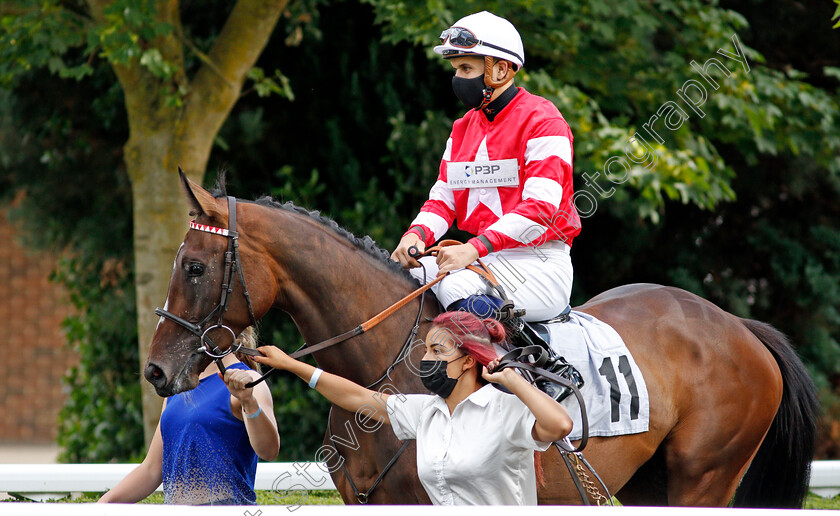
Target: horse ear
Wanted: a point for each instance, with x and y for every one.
(202, 202)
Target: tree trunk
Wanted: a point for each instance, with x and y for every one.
(160, 223)
(163, 136)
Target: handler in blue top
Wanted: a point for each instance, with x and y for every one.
(206, 446)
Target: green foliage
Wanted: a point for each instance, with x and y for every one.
(60, 157)
(611, 68)
(265, 86)
(740, 206)
(64, 38)
(363, 138)
(102, 420)
(836, 15)
(39, 35)
(128, 29)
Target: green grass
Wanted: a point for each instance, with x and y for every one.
(818, 502)
(263, 498)
(332, 498)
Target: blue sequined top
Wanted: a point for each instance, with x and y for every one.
(207, 457)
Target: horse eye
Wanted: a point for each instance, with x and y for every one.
(194, 269)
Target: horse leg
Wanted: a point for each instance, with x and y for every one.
(721, 429)
(701, 476)
(710, 449)
(649, 485)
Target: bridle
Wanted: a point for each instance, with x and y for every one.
(233, 268)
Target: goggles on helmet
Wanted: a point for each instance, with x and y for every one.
(463, 38)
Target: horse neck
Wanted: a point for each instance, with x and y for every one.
(330, 286)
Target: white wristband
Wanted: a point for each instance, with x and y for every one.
(314, 380)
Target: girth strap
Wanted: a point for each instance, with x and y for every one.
(573, 474)
(580, 477)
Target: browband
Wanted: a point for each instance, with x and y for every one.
(209, 229)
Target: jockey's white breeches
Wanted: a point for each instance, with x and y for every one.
(538, 279)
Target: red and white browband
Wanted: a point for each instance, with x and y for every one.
(208, 229)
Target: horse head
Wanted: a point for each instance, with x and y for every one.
(196, 315)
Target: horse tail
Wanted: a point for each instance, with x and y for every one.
(780, 472)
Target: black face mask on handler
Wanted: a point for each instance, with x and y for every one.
(434, 376)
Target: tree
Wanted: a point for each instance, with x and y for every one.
(761, 161)
(63, 150)
(740, 204)
(174, 113)
(373, 109)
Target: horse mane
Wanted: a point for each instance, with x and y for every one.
(366, 243)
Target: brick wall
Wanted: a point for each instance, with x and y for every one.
(33, 350)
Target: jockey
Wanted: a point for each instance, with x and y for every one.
(506, 176)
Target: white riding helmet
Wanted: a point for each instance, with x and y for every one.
(483, 34)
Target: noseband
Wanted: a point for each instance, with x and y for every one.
(233, 267)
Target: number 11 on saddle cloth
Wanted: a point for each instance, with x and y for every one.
(614, 390)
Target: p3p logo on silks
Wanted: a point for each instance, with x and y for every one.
(476, 174)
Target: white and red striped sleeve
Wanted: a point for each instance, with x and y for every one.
(547, 167)
(438, 213)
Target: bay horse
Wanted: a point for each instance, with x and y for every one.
(732, 409)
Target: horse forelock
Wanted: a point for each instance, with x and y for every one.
(365, 244)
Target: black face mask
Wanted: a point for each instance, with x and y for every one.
(469, 91)
(433, 374)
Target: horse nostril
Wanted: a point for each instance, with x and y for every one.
(154, 375)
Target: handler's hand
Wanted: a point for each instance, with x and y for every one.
(401, 255)
(235, 379)
(455, 257)
(274, 357)
(502, 377)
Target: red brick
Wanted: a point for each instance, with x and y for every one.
(34, 346)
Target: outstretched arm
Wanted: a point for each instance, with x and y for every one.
(346, 394)
(143, 480)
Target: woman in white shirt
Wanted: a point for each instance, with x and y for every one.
(475, 444)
